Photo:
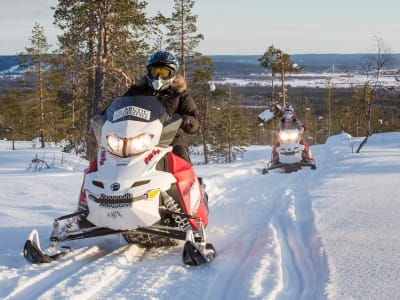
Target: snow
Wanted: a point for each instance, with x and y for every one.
(310, 79)
(329, 233)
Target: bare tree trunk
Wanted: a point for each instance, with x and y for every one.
(41, 105)
(91, 151)
(205, 131)
(183, 41)
(283, 87)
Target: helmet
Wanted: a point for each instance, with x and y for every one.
(162, 68)
(288, 112)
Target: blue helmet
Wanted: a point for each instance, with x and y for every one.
(288, 112)
(162, 68)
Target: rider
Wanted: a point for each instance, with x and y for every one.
(162, 80)
(289, 121)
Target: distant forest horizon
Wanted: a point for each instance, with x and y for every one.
(246, 64)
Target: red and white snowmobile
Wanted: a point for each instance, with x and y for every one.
(291, 152)
(137, 187)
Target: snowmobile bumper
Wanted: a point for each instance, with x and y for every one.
(289, 167)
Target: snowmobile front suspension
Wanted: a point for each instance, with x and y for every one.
(195, 251)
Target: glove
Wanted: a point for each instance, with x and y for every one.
(188, 122)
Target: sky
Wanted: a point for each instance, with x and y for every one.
(245, 27)
(329, 233)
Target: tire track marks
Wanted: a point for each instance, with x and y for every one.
(40, 278)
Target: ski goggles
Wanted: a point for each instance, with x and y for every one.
(163, 72)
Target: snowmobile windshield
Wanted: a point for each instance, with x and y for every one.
(137, 108)
(289, 126)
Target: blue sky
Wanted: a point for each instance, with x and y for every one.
(245, 26)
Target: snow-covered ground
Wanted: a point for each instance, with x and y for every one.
(329, 233)
(312, 80)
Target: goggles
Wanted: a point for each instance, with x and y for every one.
(163, 72)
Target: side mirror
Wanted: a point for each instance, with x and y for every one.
(97, 122)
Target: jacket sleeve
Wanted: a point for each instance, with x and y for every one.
(187, 107)
(129, 92)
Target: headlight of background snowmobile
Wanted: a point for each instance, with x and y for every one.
(125, 147)
(288, 136)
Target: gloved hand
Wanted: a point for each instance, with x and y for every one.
(188, 122)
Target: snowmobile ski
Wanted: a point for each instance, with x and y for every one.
(34, 254)
(194, 257)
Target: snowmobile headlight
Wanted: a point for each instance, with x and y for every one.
(115, 144)
(138, 144)
(288, 136)
(126, 147)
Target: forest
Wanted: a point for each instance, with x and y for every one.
(104, 47)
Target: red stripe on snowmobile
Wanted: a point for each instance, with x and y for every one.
(92, 168)
(185, 177)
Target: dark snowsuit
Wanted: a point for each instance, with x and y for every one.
(175, 99)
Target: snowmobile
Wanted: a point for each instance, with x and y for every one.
(291, 153)
(135, 187)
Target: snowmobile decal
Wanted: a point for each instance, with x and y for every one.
(151, 156)
(132, 111)
(102, 157)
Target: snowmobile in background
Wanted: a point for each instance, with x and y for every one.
(291, 153)
(136, 187)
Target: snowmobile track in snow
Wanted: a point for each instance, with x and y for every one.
(55, 274)
(301, 263)
(52, 273)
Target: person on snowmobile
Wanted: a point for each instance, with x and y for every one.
(289, 121)
(162, 80)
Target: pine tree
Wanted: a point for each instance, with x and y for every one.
(15, 109)
(182, 31)
(202, 72)
(230, 136)
(279, 62)
(37, 58)
(105, 44)
(267, 61)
